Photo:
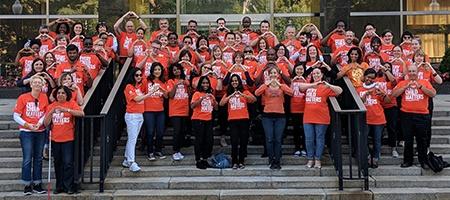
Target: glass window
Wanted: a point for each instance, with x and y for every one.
(381, 23)
(28, 8)
(375, 5)
(224, 6)
(299, 6)
(297, 22)
(74, 7)
(412, 5)
(433, 44)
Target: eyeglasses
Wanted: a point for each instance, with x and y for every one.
(248, 52)
(406, 37)
(101, 23)
(44, 32)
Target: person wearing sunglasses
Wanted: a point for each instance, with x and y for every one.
(29, 114)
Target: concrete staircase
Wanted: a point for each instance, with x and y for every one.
(167, 179)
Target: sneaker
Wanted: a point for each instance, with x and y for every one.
(241, 166)
(160, 155)
(297, 153)
(28, 190)
(401, 143)
(318, 164)
(177, 156)
(310, 164)
(125, 164)
(303, 153)
(37, 188)
(223, 141)
(134, 167)
(395, 153)
(235, 166)
(151, 157)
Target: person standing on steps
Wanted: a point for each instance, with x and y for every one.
(415, 93)
(203, 103)
(134, 118)
(29, 114)
(60, 117)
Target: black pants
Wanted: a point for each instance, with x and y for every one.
(299, 133)
(415, 125)
(63, 158)
(391, 115)
(204, 140)
(179, 129)
(239, 140)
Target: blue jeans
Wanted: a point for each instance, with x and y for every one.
(32, 145)
(273, 129)
(377, 131)
(315, 140)
(152, 121)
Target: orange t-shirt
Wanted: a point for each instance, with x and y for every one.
(179, 104)
(341, 54)
(109, 41)
(316, 106)
(203, 111)
(206, 55)
(336, 41)
(63, 123)
(387, 49)
(248, 36)
(78, 42)
(273, 98)
(26, 64)
(227, 55)
(355, 73)
(292, 45)
(92, 62)
(60, 56)
(164, 60)
(375, 112)
(366, 48)
(78, 76)
(125, 42)
(237, 106)
(298, 97)
(155, 34)
(130, 93)
(31, 110)
(46, 45)
(139, 49)
(373, 60)
(174, 51)
(413, 99)
(387, 87)
(155, 102)
(407, 49)
(425, 74)
(398, 69)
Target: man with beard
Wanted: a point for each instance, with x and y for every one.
(79, 71)
(265, 33)
(300, 55)
(222, 29)
(191, 32)
(163, 29)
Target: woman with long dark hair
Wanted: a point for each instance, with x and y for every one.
(238, 119)
(203, 103)
(154, 117)
(178, 93)
(134, 118)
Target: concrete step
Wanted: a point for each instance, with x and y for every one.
(10, 133)
(440, 130)
(440, 121)
(441, 113)
(8, 125)
(411, 181)
(6, 117)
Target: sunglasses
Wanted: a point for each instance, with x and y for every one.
(137, 75)
(248, 52)
(44, 32)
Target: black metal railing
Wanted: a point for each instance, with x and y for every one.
(87, 127)
(112, 123)
(349, 116)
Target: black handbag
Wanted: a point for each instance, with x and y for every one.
(436, 163)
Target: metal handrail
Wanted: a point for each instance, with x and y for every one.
(112, 123)
(356, 124)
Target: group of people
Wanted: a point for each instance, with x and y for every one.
(226, 79)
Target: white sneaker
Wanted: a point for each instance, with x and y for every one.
(151, 157)
(125, 164)
(303, 153)
(134, 167)
(395, 153)
(177, 156)
(297, 153)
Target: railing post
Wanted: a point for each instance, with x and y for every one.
(102, 153)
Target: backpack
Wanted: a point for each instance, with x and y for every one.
(436, 163)
(220, 161)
